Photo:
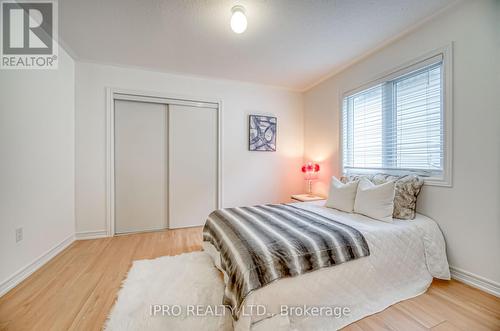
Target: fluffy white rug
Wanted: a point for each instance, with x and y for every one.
(186, 284)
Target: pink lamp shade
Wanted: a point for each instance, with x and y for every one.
(310, 170)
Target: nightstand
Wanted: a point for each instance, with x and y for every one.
(306, 197)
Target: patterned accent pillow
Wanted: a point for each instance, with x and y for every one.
(351, 178)
(407, 189)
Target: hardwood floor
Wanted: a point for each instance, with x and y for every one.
(76, 290)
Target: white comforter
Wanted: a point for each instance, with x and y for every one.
(404, 257)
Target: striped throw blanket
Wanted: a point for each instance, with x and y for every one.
(261, 244)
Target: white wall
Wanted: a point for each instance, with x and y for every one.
(468, 213)
(37, 164)
(248, 177)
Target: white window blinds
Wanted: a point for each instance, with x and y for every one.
(396, 126)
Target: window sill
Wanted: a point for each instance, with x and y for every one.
(437, 182)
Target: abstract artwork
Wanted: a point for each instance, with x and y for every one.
(262, 136)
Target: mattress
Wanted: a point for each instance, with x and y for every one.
(404, 257)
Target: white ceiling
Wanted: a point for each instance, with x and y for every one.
(289, 43)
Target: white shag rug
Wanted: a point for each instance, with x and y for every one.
(178, 282)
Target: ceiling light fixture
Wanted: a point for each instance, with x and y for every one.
(238, 19)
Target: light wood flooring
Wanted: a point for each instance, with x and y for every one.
(76, 290)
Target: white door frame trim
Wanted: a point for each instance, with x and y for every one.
(113, 94)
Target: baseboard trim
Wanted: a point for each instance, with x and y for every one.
(91, 235)
(26, 271)
(476, 281)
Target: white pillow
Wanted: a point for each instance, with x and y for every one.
(375, 201)
(341, 196)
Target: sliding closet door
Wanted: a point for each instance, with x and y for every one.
(140, 166)
(192, 165)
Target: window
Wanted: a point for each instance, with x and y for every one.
(396, 125)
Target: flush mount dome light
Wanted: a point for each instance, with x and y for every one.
(238, 19)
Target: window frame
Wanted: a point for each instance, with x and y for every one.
(398, 73)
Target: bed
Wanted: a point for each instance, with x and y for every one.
(402, 260)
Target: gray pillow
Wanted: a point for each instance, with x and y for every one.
(407, 189)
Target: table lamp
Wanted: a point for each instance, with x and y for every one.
(310, 171)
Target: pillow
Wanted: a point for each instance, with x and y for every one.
(407, 189)
(405, 198)
(341, 196)
(375, 201)
(351, 178)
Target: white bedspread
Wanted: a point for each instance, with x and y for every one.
(404, 257)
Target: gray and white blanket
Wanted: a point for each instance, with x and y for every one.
(261, 244)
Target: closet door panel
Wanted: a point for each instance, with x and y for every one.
(140, 166)
(192, 165)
